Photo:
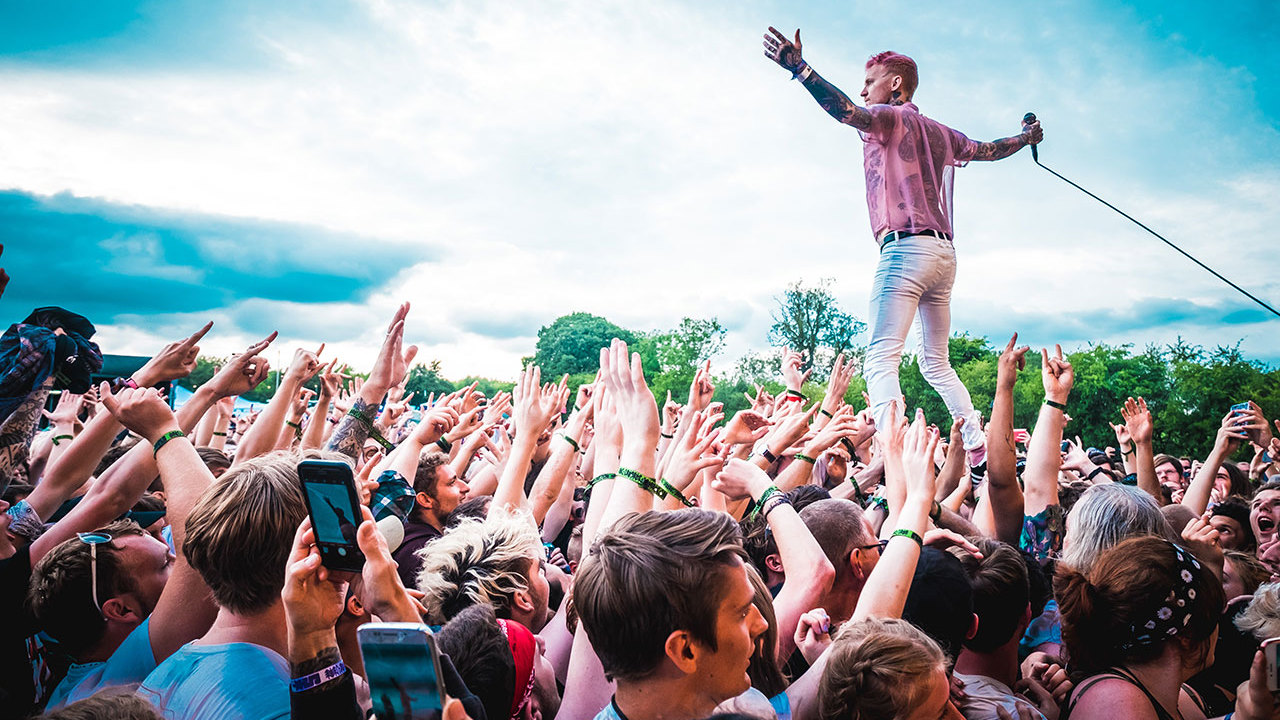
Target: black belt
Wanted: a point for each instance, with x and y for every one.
(902, 234)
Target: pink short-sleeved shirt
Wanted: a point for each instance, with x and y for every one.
(909, 161)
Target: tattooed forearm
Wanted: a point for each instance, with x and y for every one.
(351, 433)
(19, 428)
(323, 659)
(999, 149)
(836, 103)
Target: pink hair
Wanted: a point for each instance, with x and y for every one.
(898, 64)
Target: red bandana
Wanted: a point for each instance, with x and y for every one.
(524, 649)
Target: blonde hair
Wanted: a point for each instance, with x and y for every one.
(239, 534)
(478, 562)
(877, 668)
(1262, 618)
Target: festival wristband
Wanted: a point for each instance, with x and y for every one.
(824, 412)
(1096, 471)
(1053, 404)
(806, 458)
(317, 678)
(600, 477)
(219, 434)
(644, 481)
(572, 442)
(769, 492)
(935, 513)
(444, 444)
(912, 534)
(673, 492)
(56, 438)
(164, 440)
(294, 425)
(373, 431)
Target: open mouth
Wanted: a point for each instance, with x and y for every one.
(1266, 523)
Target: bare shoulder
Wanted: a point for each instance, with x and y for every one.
(1111, 696)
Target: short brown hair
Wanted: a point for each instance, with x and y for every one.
(838, 527)
(876, 669)
(61, 596)
(650, 575)
(427, 477)
(1125, 587)
(1001, 593)
(241, 531)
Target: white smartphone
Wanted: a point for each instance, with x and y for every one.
(402, 666)
(1270, 651)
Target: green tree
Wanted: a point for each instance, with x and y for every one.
(571, 344)
(680, 352)
(205, 368)
(425, 379)
(810, 321)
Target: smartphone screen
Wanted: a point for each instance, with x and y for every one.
(1239, 408)
(402, 666)
(335, 512)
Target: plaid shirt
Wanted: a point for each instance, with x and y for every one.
(394, 496)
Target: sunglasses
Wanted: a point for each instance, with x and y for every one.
(93, 540)
(879, 546)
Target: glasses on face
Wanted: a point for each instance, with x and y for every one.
(93, 540)
(879, 546)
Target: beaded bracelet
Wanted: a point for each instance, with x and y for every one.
(317, 678)
(912, 534)
(164, 439)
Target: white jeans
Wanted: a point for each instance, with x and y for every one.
(914, 278)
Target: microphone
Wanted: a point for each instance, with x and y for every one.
(1027, 120)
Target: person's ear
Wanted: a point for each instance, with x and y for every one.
(354, 607)
(121, 609)
(774, 562)
(682, 651)
(896, 84)
(424, 501)
(522, 602)
(855, 564)
(973, 628)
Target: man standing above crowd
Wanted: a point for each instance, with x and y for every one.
(909, 161)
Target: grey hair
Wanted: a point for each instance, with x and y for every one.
(1262, 618)
(1107, 514)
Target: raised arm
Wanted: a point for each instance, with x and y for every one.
(265, 434)
(1230, 435)
(838, 105)
(1138, 419)
(1000, 509)
(535, 405)
(1044, 454)
(1000, 149)
(390, 367)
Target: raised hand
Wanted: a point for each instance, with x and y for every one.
(535, 404)
(331, 380)
(175, 360)
(1259, 430)
(739, 480)
(842, 424)
(1123, 438)
(67, 411)
(1232, 432)
(670, 415)
(693, 453)
(1137, 419)
(142, 410)
(701, 390)
(244, 372)
(838, 384)
(381, 591)
(465, 424)
(746, 426)
(813, 634)
(791, 375)
(1058, 375)
(1012, 360)
(392, 363)
(917, 457)
(637, 410)
(313, 598)
(783, 51)
(305, 364)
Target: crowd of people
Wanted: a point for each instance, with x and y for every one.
(594, 555)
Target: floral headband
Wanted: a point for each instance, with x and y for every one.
(1172, 615)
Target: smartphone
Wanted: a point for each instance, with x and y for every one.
(402, 666)
(1271, 653)
(1240, 408)
(334, 507)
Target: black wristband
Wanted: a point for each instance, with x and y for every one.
(164, 439)
(1053, 404)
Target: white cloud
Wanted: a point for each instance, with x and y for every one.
(643, 161)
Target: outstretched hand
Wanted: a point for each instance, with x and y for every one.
(244, 372)
(1011, 361)
(1058, 375)
(142, 410)
(783, 51)
(175, 360)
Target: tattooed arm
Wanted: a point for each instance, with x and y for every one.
(836, 103)
(787, 53)
(1003, 148)
(349, 436)
(19, 428)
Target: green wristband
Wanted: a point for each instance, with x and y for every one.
(806, 458)
(644, 481)
(164, 440)
(673, 492)
(572, 442)
(912, 534)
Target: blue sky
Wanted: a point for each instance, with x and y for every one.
(307, 165)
